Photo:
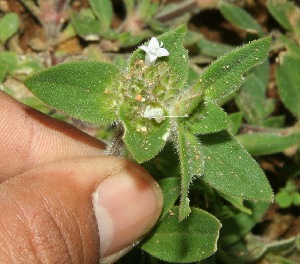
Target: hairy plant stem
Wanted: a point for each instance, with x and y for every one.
(116, 147)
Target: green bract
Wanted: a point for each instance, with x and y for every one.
(157, 102)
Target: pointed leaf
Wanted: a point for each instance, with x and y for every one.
(269, 143)
(192, 239)
(288, 81)
(231, 170)
(191, 165)
(178, 58)
(143, 137)
(208, 118)
(224, 76)
(281, 10)
(83, 89)
(240, 18)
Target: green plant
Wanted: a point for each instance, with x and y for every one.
(9, 24)
(287, 196)
(156, 101)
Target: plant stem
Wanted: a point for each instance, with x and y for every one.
(117, 144)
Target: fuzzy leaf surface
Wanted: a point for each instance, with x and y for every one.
(190, 240)
(231, 170)
(171, 191)
(82, 89)
(191, 165)
(178, 58)
(208, 118)
(224, 76)
(288, 81)
(143, 137)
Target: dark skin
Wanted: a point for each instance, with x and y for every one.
(50, 173)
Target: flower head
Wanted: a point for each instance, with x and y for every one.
(153, 51)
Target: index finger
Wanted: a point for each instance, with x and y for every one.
(29, 138)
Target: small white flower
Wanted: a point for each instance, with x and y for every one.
(156, 113)
(154, 51)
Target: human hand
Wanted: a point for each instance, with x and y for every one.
(57, 191)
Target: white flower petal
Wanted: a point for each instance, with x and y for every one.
(145, 48)
(152, 57)
(153, 43)
(162, 52)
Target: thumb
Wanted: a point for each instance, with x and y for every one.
(76, 210)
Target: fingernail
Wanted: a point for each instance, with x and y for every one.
(127, 205)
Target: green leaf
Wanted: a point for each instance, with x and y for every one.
(104, 12)
(288, 80)
(252, 100)
(296, 198)
(143, 137)
(10, 60)
(178, 58)
(213, 49)
(266, 143)
(274, 121)
(239, 224)
(171, 191)
(224, 76)
(192, 239)
(231, 170)
(8, 26)
(83, 89)
(240, 18)
(284, 199)
(281, 10)
(146, 9)
(3, 71)
(191, 165)
(293, 49)
(208, 118)
(236, 120)
(86, 25)
(237, 203)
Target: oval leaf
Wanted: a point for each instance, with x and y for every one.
(143, 137)
(192, 239)
(83, 89)
(231, 170)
